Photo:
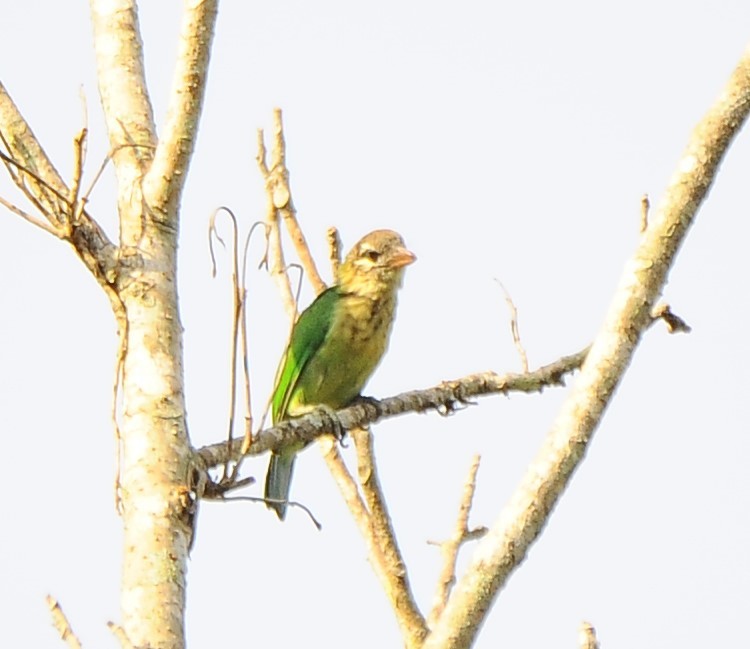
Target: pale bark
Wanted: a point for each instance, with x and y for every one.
(156, 503)
(522, 521)
(139, 275)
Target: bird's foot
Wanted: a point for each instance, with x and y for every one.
(334, 423)
(362, 400)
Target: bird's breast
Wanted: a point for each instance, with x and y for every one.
(355, 343)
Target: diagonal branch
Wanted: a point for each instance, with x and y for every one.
(165, 179)
(34, 220)
(274, 252)
(43, 181)
(396, 582)
(350, 492)
(35, 172)
(281, 206)
(61, 624)
(450, 547)
(629, 314)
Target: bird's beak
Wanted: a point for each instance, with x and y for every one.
(402, 257)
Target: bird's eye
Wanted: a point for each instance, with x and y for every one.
(372, 255)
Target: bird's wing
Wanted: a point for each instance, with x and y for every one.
(308, 335)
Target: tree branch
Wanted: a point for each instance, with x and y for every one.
(166, 177)
(396, 580)
(274, 258)
(350, 492)
(37, 177)
(587, 636)
(60, 622)
(629, 314)
(24, 148)
(446, 398)
(450, 547)
(276, 179)
(122, 87)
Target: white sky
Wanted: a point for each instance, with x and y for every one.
(503, 140)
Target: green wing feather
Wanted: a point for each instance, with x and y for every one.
(308, 335)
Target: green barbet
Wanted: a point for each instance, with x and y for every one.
(336, 344)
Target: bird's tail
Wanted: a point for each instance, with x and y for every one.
(278, 482)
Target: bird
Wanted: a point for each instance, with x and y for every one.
(335, 345)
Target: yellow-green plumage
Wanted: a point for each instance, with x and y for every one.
(336, 344)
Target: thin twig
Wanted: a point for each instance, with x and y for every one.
(244, 348)
(19, 172)
(282, 200)
(645, 206)
(334, 249)
(210, 490)
(60, 622)
(675, 324)
(27, 161)
(345, 482)
(237, 300)
(449, 548)
(79, 157)
(120, 634)
(587, 636)
(279, 193)
(97, 175)
(275, 253)
(266, 501)
(123, 328)
(30, 218)
(514, 328)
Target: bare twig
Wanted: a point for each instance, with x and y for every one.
(514, 328)
(397, 586)
(244, 349)
(31, 170)
(237, 313)
(123, 328)
(449, 548)
(218, 490)
(587, 636)
(30, 218)
(675, 324)
(79, 157)
(334, 249)
(645, 206)
(275, 253)
(120, 634)
(282, 199)
(345, 482)
(97, 175)
(278, 191)
(266, 501)
(48, 200)
(60, 622)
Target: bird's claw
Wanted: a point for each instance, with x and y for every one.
(362, 400)
(337, 430)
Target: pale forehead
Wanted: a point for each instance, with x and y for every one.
(380, 240)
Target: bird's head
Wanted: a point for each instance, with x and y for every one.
(375, 265)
